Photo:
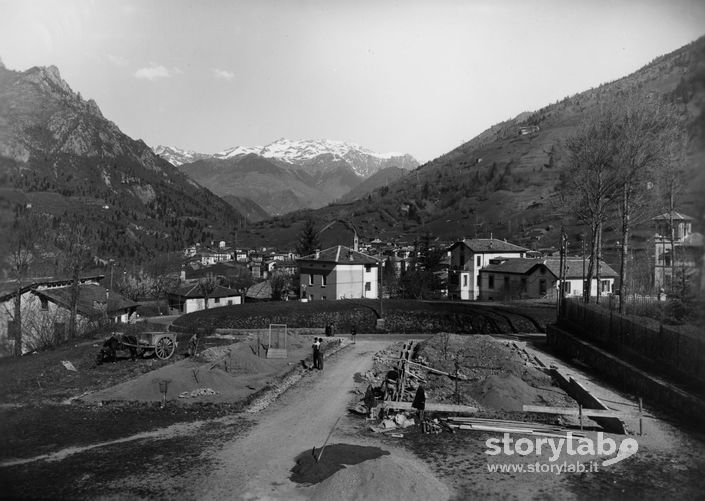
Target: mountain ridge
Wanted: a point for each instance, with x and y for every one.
(285, 175)
(59, 153)
(364, 161)
(506, 181)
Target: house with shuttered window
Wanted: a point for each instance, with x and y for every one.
(338, 273)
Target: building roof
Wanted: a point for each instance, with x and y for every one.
(339, 254)
(8, 288)
(574, 268)
(479, 245)
(89, 295)
(193, 291)
(677, 216)
(261, 290)
(519, 266)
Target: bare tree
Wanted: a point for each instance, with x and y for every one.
(72, 241)
(644, 128)
(670, 184)
(206, 285)
(22, 240)
(591, 184)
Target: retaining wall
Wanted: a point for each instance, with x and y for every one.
(653, 389)
(643, 342)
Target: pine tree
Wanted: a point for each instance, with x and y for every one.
(308, 239)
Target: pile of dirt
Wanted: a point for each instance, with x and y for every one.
(388, 477)
(309, 470)
(238, 358)
(494, 374)
(504, 392)
(221, 374)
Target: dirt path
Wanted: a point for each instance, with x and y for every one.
(258, 466)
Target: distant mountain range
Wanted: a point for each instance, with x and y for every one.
(507, 181)
(288, 175)
(59, 155)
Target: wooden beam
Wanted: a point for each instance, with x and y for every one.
(432, 407)
(430, 369)
(571, 411)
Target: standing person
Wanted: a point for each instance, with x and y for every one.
(316, 352)
(320, 354)
(327, 330)
(419, 404)
(353, 332)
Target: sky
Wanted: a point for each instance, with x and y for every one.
(418, 77)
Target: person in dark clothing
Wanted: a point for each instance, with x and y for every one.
(419, 403)
(316, 353)
(353, 332)
(327, 330)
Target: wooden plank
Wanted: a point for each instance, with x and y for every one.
(574, 411)
(426, 367)
(432, 407)
(561, 433)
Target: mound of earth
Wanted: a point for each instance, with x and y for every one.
(388, 477)
(495, 374)
(219, 374)
(504, 392)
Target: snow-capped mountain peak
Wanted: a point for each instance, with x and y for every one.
(363, 161)
(177, 156)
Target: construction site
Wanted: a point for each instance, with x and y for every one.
(248, 416)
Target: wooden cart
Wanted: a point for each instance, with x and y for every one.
(162, 344)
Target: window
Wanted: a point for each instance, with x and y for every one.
(491, 282)
(310, 297)
(606, 286)
(230, 302)
(216, 300)
(479, 260)
(45, 303)
(523, 284)
(566, 288)
(368, 286)
(368, 268)
(465, 280)
(324, 280)
(506, 283)
(542, 287)
(323, 298)
(310, 279)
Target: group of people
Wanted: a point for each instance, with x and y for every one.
(317, 353)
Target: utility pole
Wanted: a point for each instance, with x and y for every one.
(561, 273)
(381, 287)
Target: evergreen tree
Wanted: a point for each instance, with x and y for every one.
(308, 239)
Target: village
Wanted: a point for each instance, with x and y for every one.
(475, 269)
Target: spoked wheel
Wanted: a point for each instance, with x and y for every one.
(164, 348)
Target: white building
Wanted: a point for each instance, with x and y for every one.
(468, 257)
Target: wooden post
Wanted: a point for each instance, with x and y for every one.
(641, 423)
(327, 438)
(580, 416)
(402, 377)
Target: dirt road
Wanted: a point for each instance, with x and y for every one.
(258, 465)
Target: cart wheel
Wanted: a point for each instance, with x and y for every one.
(164, 348)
